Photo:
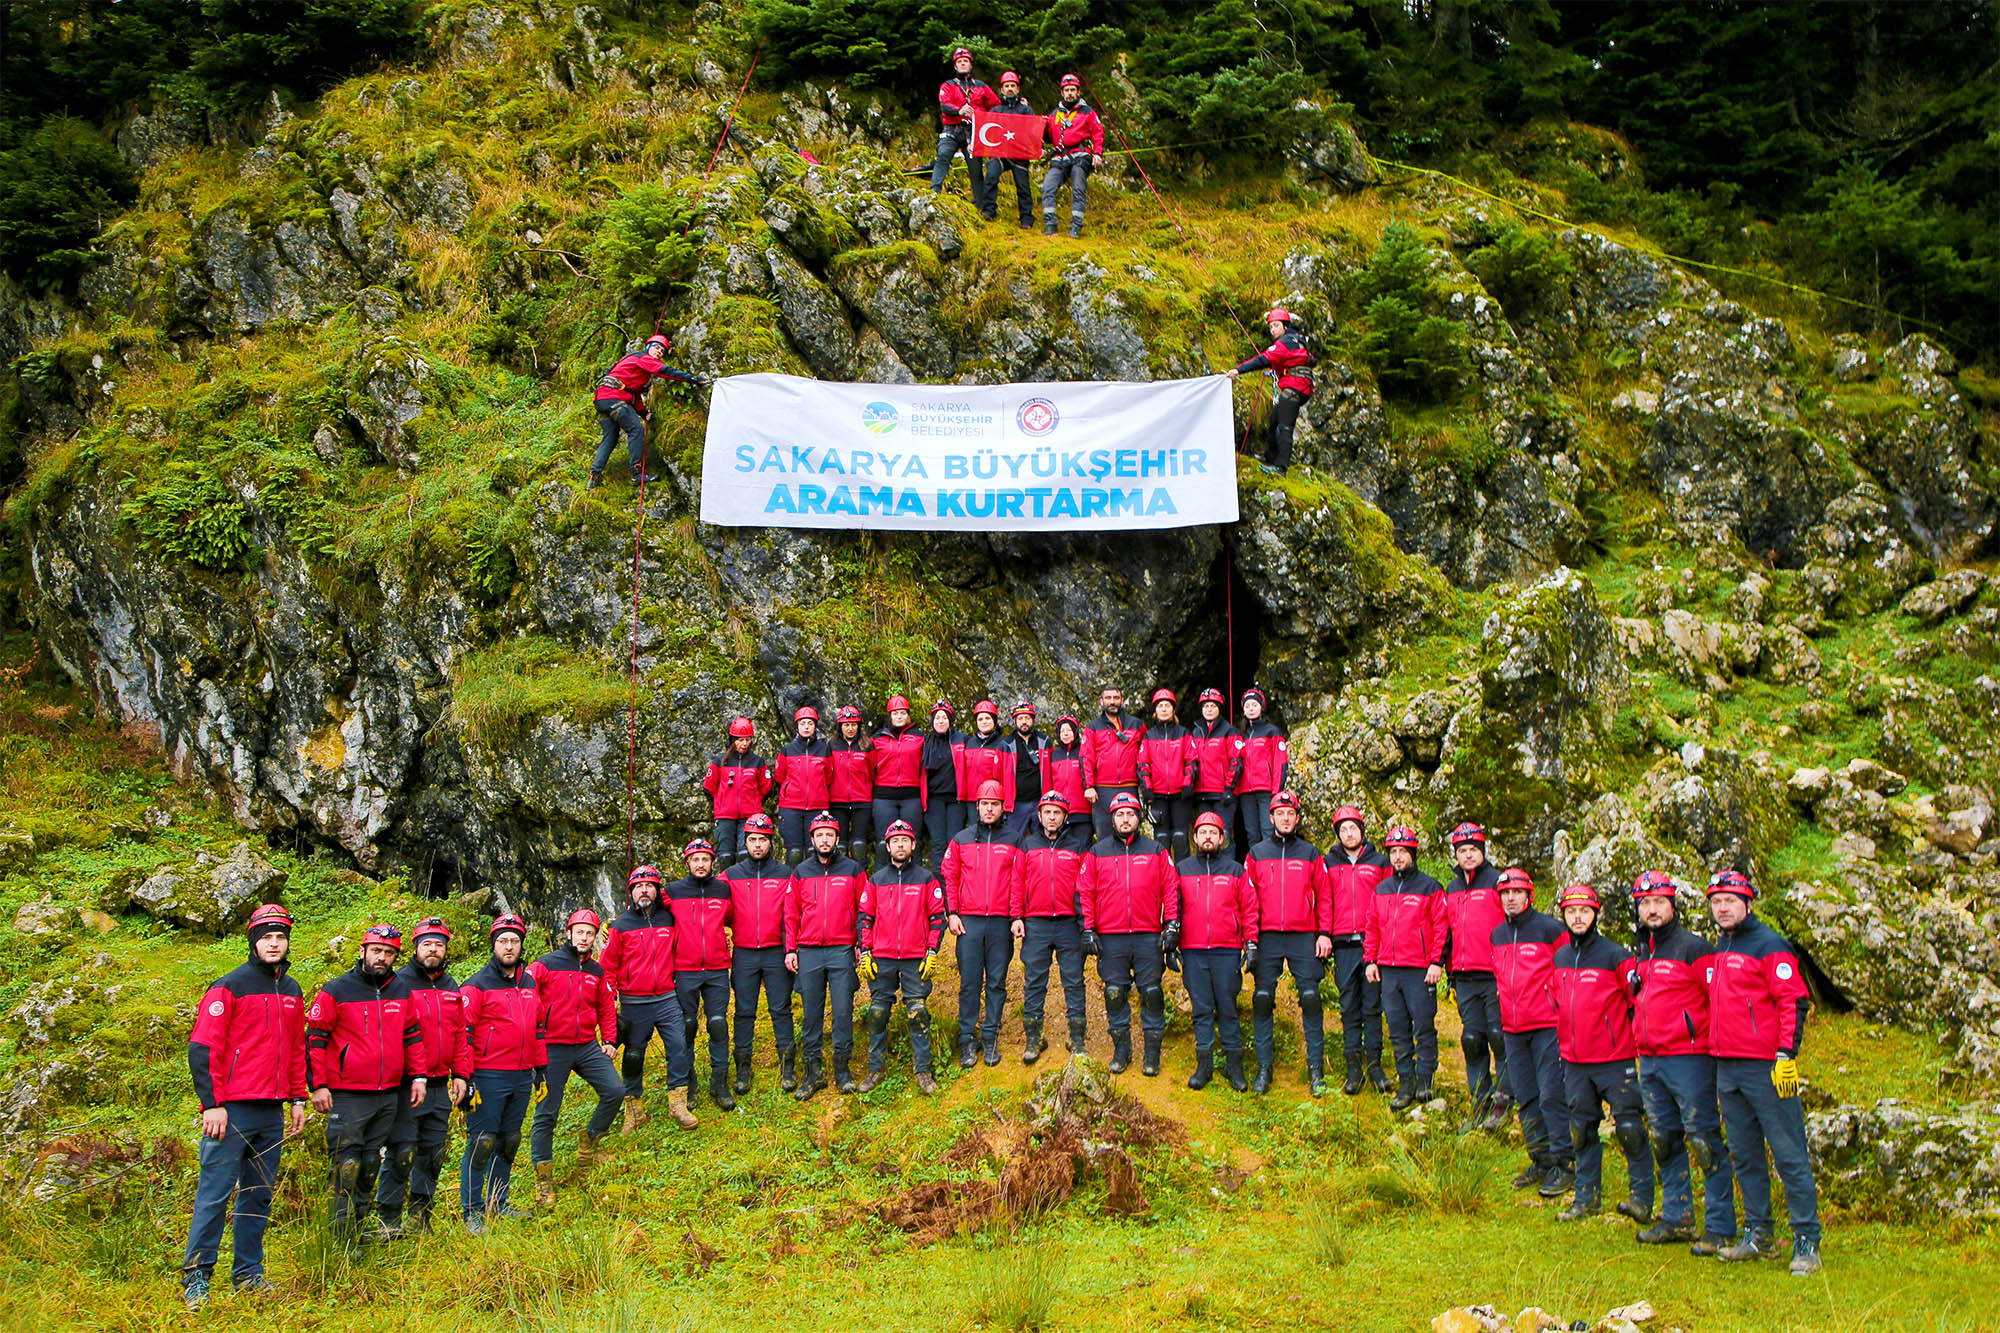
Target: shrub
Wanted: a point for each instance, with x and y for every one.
(57, 190)
(1419, 355)
(191, 516)
(643, 247)
(1519, 265)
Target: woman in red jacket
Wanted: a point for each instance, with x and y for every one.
(1166, 771)
(900, 787)
(1218, 759)
(1062, 771)
(851, 781)
(1291, 360)
(738, 781)
(804, 773)
(1265, 761)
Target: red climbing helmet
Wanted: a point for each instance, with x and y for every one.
(1279, 313)
(1733, 881)
(988, 707)
(760, 823)
(807, 711)
(1209, 819)
(1513, 877)
(989, 791)
(1254, 693)
(824, 819)
(582, 916)
(657, 345)
(961, 53)
(1212, 696)
(382, 933)
(1653, 884)
(1400, 836)
(1071, 81)
(1125, 800)
(1284, 800)
(1009, 76)
(1468, 832)
(897, 701)
(1347, 812)
(1056, 799)
(742, 726)
(1164, 693)
(506, 922)
(646, 875)
(1579, 895)
(1024, 709)
(847, 713)
(269, 917)
(696, 847)
(431, 927)
(900, 829)
(943, 706)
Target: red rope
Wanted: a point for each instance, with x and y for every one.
(639, 527)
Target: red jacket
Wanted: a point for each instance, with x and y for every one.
(1350, 883)
(1291, 358)
(1218, 758)
(1062, 770)
(503, 1019)
(441, 1012)
(1757, 995)
(958, 98)
(1524, 951)
(826, 894)
(851, 779)
(1074, 129)
(1265, 758)
(738, 783)
(1670, 1010)
(1218, 903)
(578, 1001)
(1166, 758)
(1128, 885)
(638, 952)
(901, 914)
(1406, 925)
(361, 1037)
(626, 381)
(1593, 999)
(1290, 880)
(985, 759)
(1111, 752)
(701, 908)
(899, 759)
(1473, 910)
(249, 1038)
(1048, 883)
(804, 774)
(982, 872)
(760, 894)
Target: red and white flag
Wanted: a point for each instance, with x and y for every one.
(998, 134)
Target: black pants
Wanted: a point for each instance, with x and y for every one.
(1480, 1039)
(752, 970)
(1360, 1005)
(1535, 1069)
(1125, 960)
(1411, 1008)
(1173, 816)
(1214, 979)
(985, 952)
(792, 833)
(1024, 192)
(418, 1142)
(1078, 833)
(617, 417)
(856, 818)
(1255, 808)
(827, 970)
(588, 1059)
(1679, 1095)
(941, 821)
(639, 1017)
(708, 990)
(888, 809)
(357, 1130)
(890, 974)
(243, 1165)
(1276, 951)
(1589, 1089)
(729, 845)
(1056, 939)
(1100, 813)
(1284, 416)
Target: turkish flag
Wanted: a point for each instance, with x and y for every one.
(997, 134)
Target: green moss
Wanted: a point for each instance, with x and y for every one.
(500, 691)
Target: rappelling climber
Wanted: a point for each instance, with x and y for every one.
(621, 406)
(1291, 360)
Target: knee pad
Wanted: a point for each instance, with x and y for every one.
(1115, 995)
(1707, 1151)
(1262, 1002)
(1631, 1132)
(1667, 1144)
(1153, 998)
(509, 1145)
(405, 1158)
(480, 1151)
(1309, 1002)
(878, 1018)
(347, 1171)
(1583, 1131)
(1474, 1046)
(920, 1019)
(718, 1027)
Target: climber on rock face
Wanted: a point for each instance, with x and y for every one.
(1292, 360)
(621, 406)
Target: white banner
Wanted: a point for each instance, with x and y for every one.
(1090, 457)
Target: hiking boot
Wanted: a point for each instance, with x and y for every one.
(475, 1224)
(925, 1083)
(419, 1223)
(1558, 1182)
(1403, 1100)
(1027, 224)
(1376, 1078)
(677, 1107)
(1316, 1079)
(718, 1089)
(1121, 1052)
(1642, 1213)
(1048, 226)
(990, 1050)
(1531, 1175)
(194, 1290)
(545, 1184)
(990, 217)
(1232, 1071)
(843, 1077)
(1579, 1208)
(1754, 1245)
(1076, 229)
(967, 1055)
(380, 1231)
(1204, 1070)
(636, 1118)
(1031, 1050)
(589, 1149)
(742, 1073)
(254, 1286)
(788, 1074)
(646, 479)
(1079, 1036)
(1353, 1084)
(1708, 1247)
(596, 482)
(507, 1212)
(1424, 1092)
(871, 1080)
(1262, 1083)
(1805, 1257)
(1497, 1113)
(1150, 1065)
(1665, 1233)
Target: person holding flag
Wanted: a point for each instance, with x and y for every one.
(959, 98)
(993, 145)
(1076, 140)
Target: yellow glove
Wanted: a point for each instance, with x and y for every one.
(1785, 1077)
(541, 1087)
(928, 966)
(865, 969)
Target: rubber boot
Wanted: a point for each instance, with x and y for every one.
(1151, 1066)
(718, 1088)
(1403, 1100)
(843, 1077)
(1031, 1050)
(1263, 1083)
(636, 1118)
(589, 1149)
(1121, 1051)
(1079, 1035)
(1204, 1069)
(545, 1184)
(742, 1072)
(1232, 1070)
(596, 482)
(788, 1076)
(1316, 1077)
(811, 1082)
(677, 1107)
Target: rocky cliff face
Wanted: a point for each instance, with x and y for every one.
(1431, 620)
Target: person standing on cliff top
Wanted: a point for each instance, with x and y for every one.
(960, 97)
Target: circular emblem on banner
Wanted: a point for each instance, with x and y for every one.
(1784, 971)
(215, 1009)
(1037, 417)
(879, 418)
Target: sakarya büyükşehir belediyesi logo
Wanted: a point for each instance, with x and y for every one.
(879, 418)
(1037, 417)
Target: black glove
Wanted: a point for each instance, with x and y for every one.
(1250, 956)
(1170, 937)
(1090, 944)
(1170, 957)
